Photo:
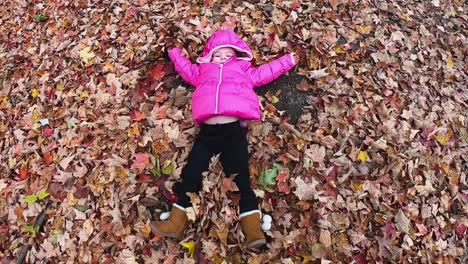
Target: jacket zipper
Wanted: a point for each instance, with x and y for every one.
(217, 87)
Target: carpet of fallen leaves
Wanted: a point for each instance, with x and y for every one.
(95, 128)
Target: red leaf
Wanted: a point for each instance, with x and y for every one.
(284, 187)
(137, 115)
(48, 132)
(147, 250)
(156, 72)
(47, 158)
(360, 258)
(144, 177)
(461, 230)
(4, 228)
(296, 5)
(24, 173)
(141, 160)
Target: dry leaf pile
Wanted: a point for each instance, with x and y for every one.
(95, 128)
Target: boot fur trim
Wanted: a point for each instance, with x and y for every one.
(244, 214)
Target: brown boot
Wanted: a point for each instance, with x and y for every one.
(252, 230)
(173, 227)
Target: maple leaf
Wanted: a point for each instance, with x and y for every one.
(316, 153)
(24, 172)
(137, 115)
(317, 74)
(267, 178)
(86, 54)
(141, 160)
(304, 86)
(156, 72)
(228, 185)
(306, 191)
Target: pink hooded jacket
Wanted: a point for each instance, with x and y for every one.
(228, 88)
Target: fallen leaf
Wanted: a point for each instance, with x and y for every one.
(86, 54)
(156, 72)
(362, 156)
(317, 74)
(364, 29)
(228, 185)
(402, 222)
(316, 153)
(304, 86)
(190, 246)
(32, 198)
(140, 160)
(325, 238)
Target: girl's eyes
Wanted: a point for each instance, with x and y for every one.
(219, 55)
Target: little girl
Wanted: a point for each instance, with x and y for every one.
(224, 96)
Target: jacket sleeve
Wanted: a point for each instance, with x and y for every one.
(183, 66)
(270, 71)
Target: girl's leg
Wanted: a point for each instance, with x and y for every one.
(197, 162)
(235, 160)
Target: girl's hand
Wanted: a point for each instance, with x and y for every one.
(296, 57)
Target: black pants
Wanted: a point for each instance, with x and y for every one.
(229, 140)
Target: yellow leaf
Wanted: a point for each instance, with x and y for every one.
(339, 49)
(362, 156)
(108, 66)
(190, 246)
(35, 93)
(86, 55)
(390, 151)
(60, 87)
(84, 94)
(11, 162)
(450, 62)
(274, 99)
(356, 186)
(364, 29)
(35, 116)
(4, 99)
(443, 139)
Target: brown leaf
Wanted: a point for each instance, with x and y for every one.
(304, 86)
(228, 185)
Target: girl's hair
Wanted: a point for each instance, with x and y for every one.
(240, 54)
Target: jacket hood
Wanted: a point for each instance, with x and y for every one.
(225, 38)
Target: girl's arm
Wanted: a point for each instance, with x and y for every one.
(270, 71)
(183, 66)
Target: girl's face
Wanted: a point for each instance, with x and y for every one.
(222, 55)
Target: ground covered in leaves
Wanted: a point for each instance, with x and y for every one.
(95, 128)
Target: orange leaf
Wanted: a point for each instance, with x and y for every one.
(156, 72)
(24, 173)
(137, 115)
(304, 205)
(228, 185)
(47, 158)
(270, 108)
